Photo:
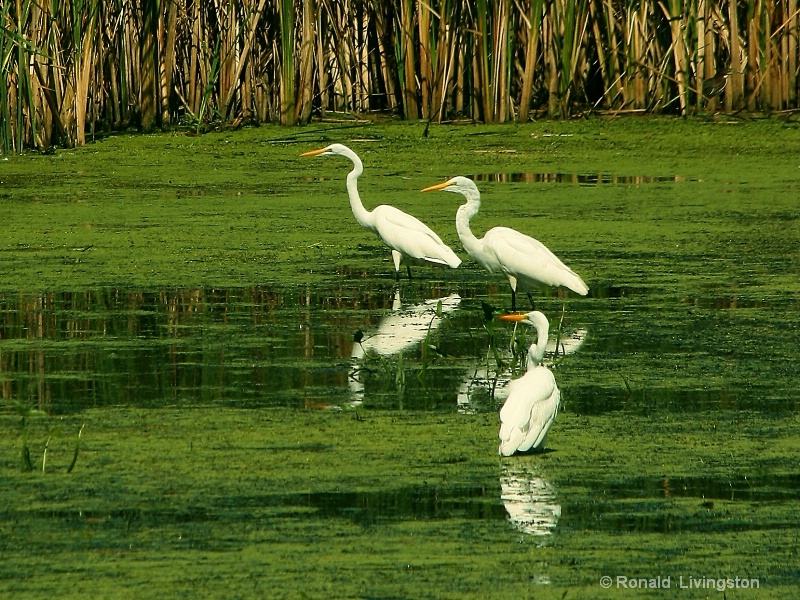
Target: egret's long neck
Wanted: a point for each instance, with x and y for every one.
(362, 215)
(465, 212)
(536, 351)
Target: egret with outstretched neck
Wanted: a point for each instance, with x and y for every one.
(408, 237)
(533, 399)
(525, 261)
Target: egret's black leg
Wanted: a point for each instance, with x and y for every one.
(530, 299)
(560, 323)
(408, 269)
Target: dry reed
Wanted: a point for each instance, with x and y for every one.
(69, 69)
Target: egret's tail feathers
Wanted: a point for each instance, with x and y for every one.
(577, 285)
(449, 257)
(569, 279)
(445, 258)
(534, 443)
(506, 449)
(510, 439)
(453, 261)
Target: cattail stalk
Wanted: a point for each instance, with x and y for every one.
(69, 67)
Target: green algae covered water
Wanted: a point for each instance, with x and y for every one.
(186, 412)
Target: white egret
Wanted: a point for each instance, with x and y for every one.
(526, 262)
(480, 381)
(407, 236)
(533, 399)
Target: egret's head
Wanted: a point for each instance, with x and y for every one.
(539, 322)
(462, 185)
(339, 149)
(534, 318)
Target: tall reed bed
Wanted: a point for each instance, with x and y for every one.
(72, 67)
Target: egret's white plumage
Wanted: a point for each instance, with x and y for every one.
(533, 399)
(407, 236)
(526, 262)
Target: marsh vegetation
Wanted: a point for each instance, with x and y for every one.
(189, 304)
(72, 70)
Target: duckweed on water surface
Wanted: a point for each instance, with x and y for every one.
(276, 501)
(192, 301)
(239, 208)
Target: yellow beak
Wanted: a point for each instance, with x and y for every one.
(438, 186)
(513, 317)
(314, 152)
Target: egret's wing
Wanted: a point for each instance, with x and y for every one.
(395, 219)
(530, 409)
(510, 439)
(542, 417)
(525, 393)
(529, 260)
(410, 236)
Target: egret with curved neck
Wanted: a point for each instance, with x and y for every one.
(525, 261)
(407, 236)
(533, 399)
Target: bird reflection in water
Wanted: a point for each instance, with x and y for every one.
(402, 329)
(529, 499)
(482, 384)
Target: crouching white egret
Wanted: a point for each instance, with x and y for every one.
(526, 262)
(407, 236)
(533, 399)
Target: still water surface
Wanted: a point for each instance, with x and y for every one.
(258, 347)
(66, 351)
(422, 347)
(368, 461)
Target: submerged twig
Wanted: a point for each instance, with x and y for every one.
(627, 386)
(77, 449)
